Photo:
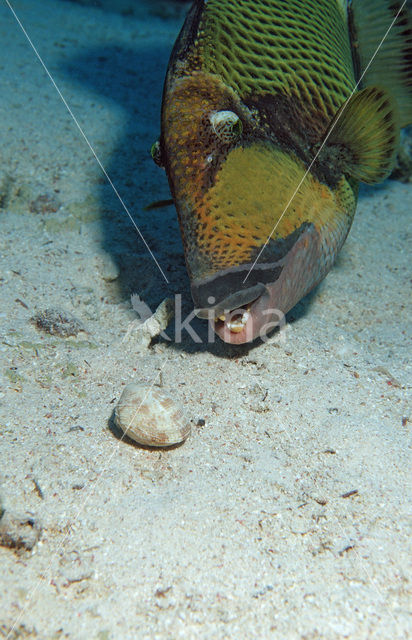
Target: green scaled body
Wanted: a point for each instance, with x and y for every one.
(292, 48)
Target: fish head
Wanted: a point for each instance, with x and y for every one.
(252, 218)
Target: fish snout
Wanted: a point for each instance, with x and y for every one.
(239, 311)
(256, 319)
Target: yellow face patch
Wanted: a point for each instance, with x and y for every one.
(250, 199)
(231, 199)
(259, 192)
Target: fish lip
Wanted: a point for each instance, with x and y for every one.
(231, 303)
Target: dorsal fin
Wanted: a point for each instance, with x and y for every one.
(392, 65)
(365, 132)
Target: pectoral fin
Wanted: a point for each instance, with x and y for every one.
(365, 132)
(382, 45)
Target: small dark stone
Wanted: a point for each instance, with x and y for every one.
(19, 532)
(46, 203)
(57, 322)
(201, 422)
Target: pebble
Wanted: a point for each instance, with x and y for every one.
(19, 532)
(57, 322)
(150, 417)
(45, 203)
(109, 269)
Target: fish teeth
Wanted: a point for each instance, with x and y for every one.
(237, 325)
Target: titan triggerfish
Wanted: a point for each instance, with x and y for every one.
(273, 112)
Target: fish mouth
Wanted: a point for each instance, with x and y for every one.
(238, 314)
(237, 305)
(243, 324)
(234, 326)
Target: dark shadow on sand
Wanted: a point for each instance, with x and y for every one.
(133, 80)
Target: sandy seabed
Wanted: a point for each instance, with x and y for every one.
(286, 514)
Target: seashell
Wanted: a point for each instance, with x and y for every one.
(150, 417)
(226, 125)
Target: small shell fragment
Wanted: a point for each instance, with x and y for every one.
(150, 417)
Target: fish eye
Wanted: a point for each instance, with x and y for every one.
(226, 125)
(156, 153)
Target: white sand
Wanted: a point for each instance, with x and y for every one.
(242, 532)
